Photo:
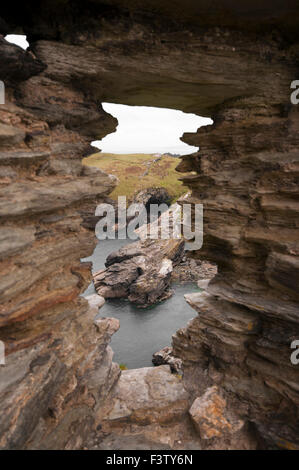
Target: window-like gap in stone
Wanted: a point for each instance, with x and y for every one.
(18, 39)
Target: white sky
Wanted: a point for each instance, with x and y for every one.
(143, 129)
(18, 39)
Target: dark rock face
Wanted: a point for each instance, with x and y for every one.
(140, 271)
(237, 67)
(215, 421)
(16, 64)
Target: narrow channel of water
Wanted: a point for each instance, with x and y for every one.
(142, 331)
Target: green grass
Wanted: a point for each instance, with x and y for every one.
(130, 168)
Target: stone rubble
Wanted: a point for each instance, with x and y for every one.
(233, 66)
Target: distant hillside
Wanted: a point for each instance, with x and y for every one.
(137, 171)
(169, 154)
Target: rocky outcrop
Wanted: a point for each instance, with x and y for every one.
(50, 389)
(140, 271)
(150, 196)
(250, 224)
(95, 301)
(58, 365)
(165, 225)
(215, 421)
(17, 65)
(147, 395)
(165, 356)
(232, 62)
(152, 405)
(193, 270)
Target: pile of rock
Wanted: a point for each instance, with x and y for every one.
(193, 270)
(215, 421)
(140, 272)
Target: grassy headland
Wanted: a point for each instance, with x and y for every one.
(137, 171)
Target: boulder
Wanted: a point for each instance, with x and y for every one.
(211, 417)
(203, 283)
(95, 300)
(140, 272)
(147, 395)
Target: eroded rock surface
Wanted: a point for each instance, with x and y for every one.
(214, 420)
(147, 395)
(194, 270)
(210, 416)
(153, 195)
(234, 63)
(58, 363)
(95, 301)
(165, 356)
(140, 271)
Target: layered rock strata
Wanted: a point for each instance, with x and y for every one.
(148, 404)
(154, 195)
(246, 177)
(140, 271)
(58, 365)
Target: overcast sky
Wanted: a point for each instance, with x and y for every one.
(18, 39)
(142, 129)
